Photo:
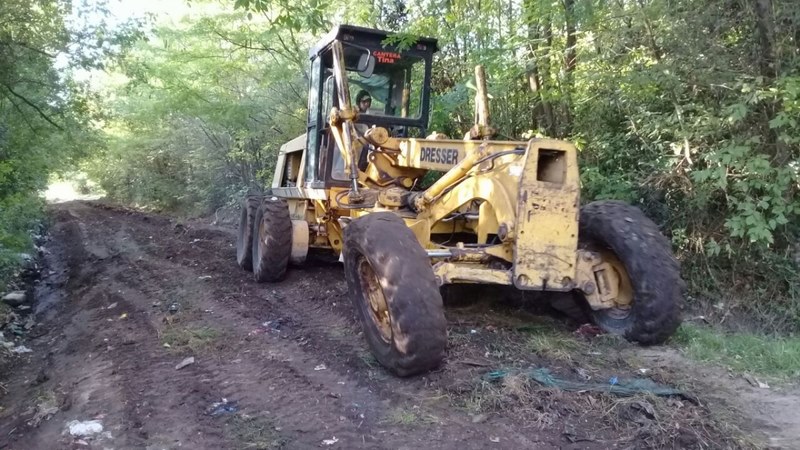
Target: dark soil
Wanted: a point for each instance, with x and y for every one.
(127, 296)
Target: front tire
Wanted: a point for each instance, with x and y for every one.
(652, 270)
(244, 238)
(394, 291)
(272, 243)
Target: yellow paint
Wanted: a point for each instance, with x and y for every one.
(448, 273)
(547, 212)
(444, 154)
(383, 171)
(602, 278)
(520, 197)
(498, 189)
(300, 241)
(421, 229)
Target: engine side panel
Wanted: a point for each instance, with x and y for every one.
(547, 217)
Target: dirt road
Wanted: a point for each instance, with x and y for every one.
(126, 297)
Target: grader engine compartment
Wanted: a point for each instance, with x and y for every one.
(359, 183)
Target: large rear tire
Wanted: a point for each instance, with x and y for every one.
(395, 294)
(244, 238)
(652, 270)
(272, 243)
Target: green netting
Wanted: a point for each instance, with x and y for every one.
(616, 386)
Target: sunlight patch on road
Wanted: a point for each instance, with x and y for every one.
(64, 191)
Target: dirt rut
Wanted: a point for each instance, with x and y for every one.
(288, 355)
(128, 296)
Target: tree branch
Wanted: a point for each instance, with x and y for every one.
(246, 45)
(21, 113)
(32, 105)
(29, 47)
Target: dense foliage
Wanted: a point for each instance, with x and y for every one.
(201, 112)
(27, 119)
(687, 108)
(46, 116)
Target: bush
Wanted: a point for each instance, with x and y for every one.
(20, 216)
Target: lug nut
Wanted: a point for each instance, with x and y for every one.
(502, 232)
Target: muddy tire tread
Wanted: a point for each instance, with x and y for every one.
(271, 258)
(244, 238)
(410, 288)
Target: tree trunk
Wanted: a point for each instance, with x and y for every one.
(543, 112)
(769, 68)
(570, 53)
(651, 37)
(570, 62)
(765, 25)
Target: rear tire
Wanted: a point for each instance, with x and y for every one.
(654, 272)
(272, 243)
(395, 294)
(244, 238)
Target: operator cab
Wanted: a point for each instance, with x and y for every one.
(395, 78)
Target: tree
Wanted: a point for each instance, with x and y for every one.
(45, 115)
(686, 108)
(202, 111)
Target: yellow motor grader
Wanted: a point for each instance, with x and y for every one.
(503, 212)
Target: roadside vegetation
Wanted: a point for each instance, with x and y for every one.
(686, 109)
(774, 356)
(49, 117)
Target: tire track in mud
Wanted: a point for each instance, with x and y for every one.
(339, 400)
(100, 363)
(289, 354)
(270, 372)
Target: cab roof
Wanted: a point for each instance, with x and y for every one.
(368, 37)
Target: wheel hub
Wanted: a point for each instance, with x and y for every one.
(376, 300)
(605, 282)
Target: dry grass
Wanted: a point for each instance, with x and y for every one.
(535, 405)
(642, 421)
(410, 417)
(251, 432)
(558, 346)
(191, 339)
(506, 342)
(47, 404)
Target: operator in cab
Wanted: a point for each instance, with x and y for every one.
(363, 101)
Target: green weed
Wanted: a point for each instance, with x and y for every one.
(20, 215)
(743, 352)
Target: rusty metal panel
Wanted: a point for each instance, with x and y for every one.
(547, 217)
